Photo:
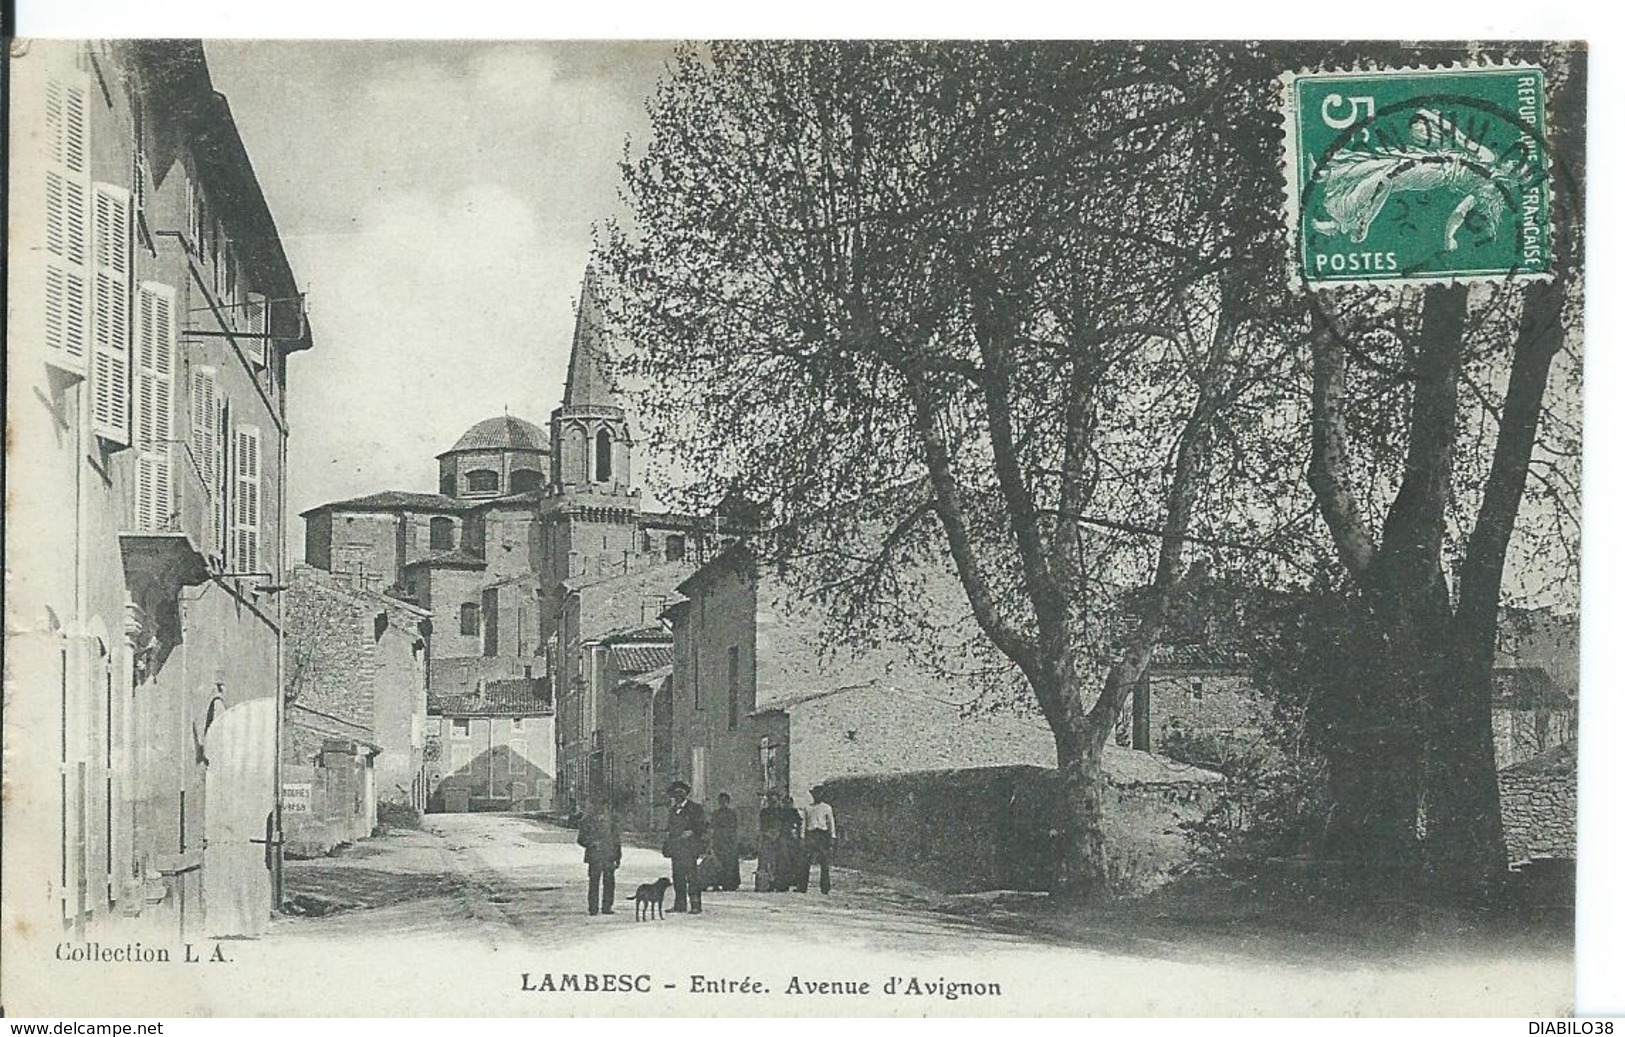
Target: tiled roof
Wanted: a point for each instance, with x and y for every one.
(517, 696)
(1198, 656)
(391, 500)
(512, 499)
(456, 558)
(1553, 761)
(504, 432)
(633, 659)
(657, 634)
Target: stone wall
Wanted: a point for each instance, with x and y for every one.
(329, 805)
(1538, 799)
(331, 657)
(365, 544)
(992, 827)
(358, 659)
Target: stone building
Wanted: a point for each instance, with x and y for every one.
(1194, 692)
(492, 749)
(622, 671)
(536, 544)
(152, 314)
(358, 687)
(1198, 694)
(754, 703)
(608, 627)
(1537, 683)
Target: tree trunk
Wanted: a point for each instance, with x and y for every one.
(1081, 870)
(1374, 760)
(1465, 852)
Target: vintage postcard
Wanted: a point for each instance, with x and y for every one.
(792, 528)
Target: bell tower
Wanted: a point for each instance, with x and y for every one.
(592, 509)
(592, 442)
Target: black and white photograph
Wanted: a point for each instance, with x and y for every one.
(823, 527)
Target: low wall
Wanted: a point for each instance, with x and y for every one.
(323, 807)
(1538, 802)
(994, 827)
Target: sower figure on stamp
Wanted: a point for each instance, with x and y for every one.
(725, 842)
(600, 835)
(685, 840)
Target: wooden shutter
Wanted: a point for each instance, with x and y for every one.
(247, 510)
(67, 223)
(138, 152)
(205, 411)
(224, 488)
(254, 342)
(110, 322)
(155, 335)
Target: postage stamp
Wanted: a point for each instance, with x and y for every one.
(1418, 175)
(663, 528)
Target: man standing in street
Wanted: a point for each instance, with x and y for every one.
(685, 840)
(600, 834)
(820, 840)
(725, 842)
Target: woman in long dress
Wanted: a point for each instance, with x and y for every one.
(770, 837)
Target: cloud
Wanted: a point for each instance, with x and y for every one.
(514, 77)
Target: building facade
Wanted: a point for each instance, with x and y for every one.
(536, 549)
(757, 703)
(152, 316)
(357, 674)
(492, 750)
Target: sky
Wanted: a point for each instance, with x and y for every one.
(436, 201)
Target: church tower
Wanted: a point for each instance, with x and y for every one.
(592, 442)
(591, 512)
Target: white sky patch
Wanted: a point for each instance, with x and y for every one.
(436, 202)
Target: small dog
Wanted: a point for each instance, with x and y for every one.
(651, 898)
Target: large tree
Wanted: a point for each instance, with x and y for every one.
(983, 302)
(1430, 416)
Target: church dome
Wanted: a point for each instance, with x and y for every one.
(505, 432)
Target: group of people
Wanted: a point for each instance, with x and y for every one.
(792, 841)
(704, 852)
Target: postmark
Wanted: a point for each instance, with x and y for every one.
(1418, 176)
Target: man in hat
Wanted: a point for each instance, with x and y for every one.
(600, 835)
(685, 841)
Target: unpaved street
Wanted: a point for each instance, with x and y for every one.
(480, 907)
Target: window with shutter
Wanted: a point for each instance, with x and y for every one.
(222, 489)
(67, 223)
(254, 341)
(155, 336)
(138, 156)
(205, 411)
(110, 322)
(193, 201)
(246, 517)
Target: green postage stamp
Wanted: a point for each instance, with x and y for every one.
(1418, 175)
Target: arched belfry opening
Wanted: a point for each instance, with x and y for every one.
(603, 457)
